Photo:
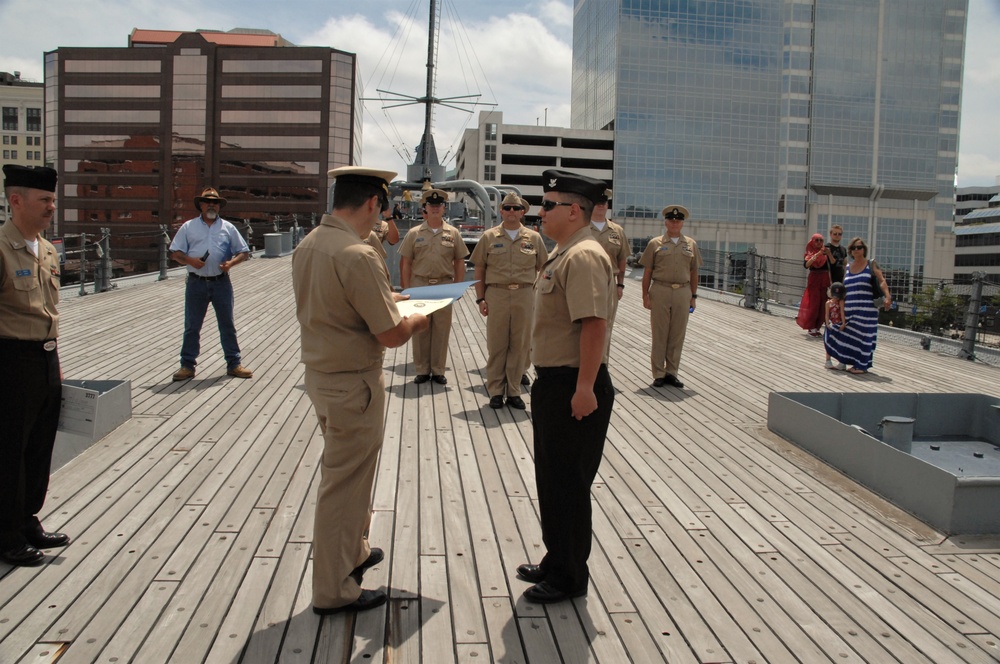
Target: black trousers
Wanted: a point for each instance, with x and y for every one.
(567, 455)
(31, 397)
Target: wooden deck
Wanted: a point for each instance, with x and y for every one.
(715, 541)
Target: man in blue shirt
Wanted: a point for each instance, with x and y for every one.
(210, 246)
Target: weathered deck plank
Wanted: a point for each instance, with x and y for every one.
(715, 541)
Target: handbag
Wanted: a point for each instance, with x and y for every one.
(876, 287)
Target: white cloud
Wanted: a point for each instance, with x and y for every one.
(512, 61)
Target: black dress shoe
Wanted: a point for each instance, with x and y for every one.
(659, 382)
(516, 402)
(525, 380)
(43, 540)
(440, 380)
(422, 378)
(23, 555)
(672, 380)
(374, 558)
(532, 573)
(496, 402)
(369, 599)
(544, 593)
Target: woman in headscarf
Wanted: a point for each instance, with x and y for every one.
(811, 312)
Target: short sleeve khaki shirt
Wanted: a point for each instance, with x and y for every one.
(433, 254)
(29, 287)
(510, 261)
(342, 299)
(671, 263)
(613, 239)
(574, 284)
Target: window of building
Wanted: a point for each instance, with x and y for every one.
(10, 118)
(13, 154)
(6, 154)
(6, 140)
(489, 153)
(33, 119)
(491, 131)
(489, 173)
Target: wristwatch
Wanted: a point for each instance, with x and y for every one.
(480, 300)
(694, 296)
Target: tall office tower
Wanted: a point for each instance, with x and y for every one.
(771, 119)
(137, 132)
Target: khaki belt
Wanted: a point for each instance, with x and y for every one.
(432, 282)
(673, 285)
(509, 286)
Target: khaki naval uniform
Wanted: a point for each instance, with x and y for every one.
(343, 299)
(616, 244)
(575, 283)
(31, 388)
(511, 266)
(433, 255)
(375, 242)
(670, 298)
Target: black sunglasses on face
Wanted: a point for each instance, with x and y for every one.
(549, 206)
(857, 247)
(511, 208)
(673, 216)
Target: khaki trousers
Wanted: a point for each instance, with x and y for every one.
(668, 318)
(508, 339)
(430, 347)
(350, 408)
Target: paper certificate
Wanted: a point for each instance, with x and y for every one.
(428, 299)
(425, 307)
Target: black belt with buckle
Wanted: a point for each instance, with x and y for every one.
(47, 345)
(224, 275)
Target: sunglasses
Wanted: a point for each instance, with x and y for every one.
(549, 206)
(857, 247)
(674, 217)
(512, 208)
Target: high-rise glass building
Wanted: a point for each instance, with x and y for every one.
(771, 118)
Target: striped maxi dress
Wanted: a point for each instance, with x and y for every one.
(855, 345)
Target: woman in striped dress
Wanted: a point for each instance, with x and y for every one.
(855, 344)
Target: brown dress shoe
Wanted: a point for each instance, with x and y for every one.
(240, 371)
(184, 373)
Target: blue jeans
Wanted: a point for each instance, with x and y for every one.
(197, 295)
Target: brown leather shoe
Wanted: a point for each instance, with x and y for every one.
(184, 373)
(240, 371)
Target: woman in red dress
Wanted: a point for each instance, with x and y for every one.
(811, 312)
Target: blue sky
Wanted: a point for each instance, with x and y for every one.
(521, 58)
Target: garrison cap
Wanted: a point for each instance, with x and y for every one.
(573, 183)
(434, 197)
(362, 175)
(33, 177)
(525, 204)
(674, 210)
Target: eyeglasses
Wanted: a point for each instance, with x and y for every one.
(512, 208)
(857, 247)
(549, 206)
